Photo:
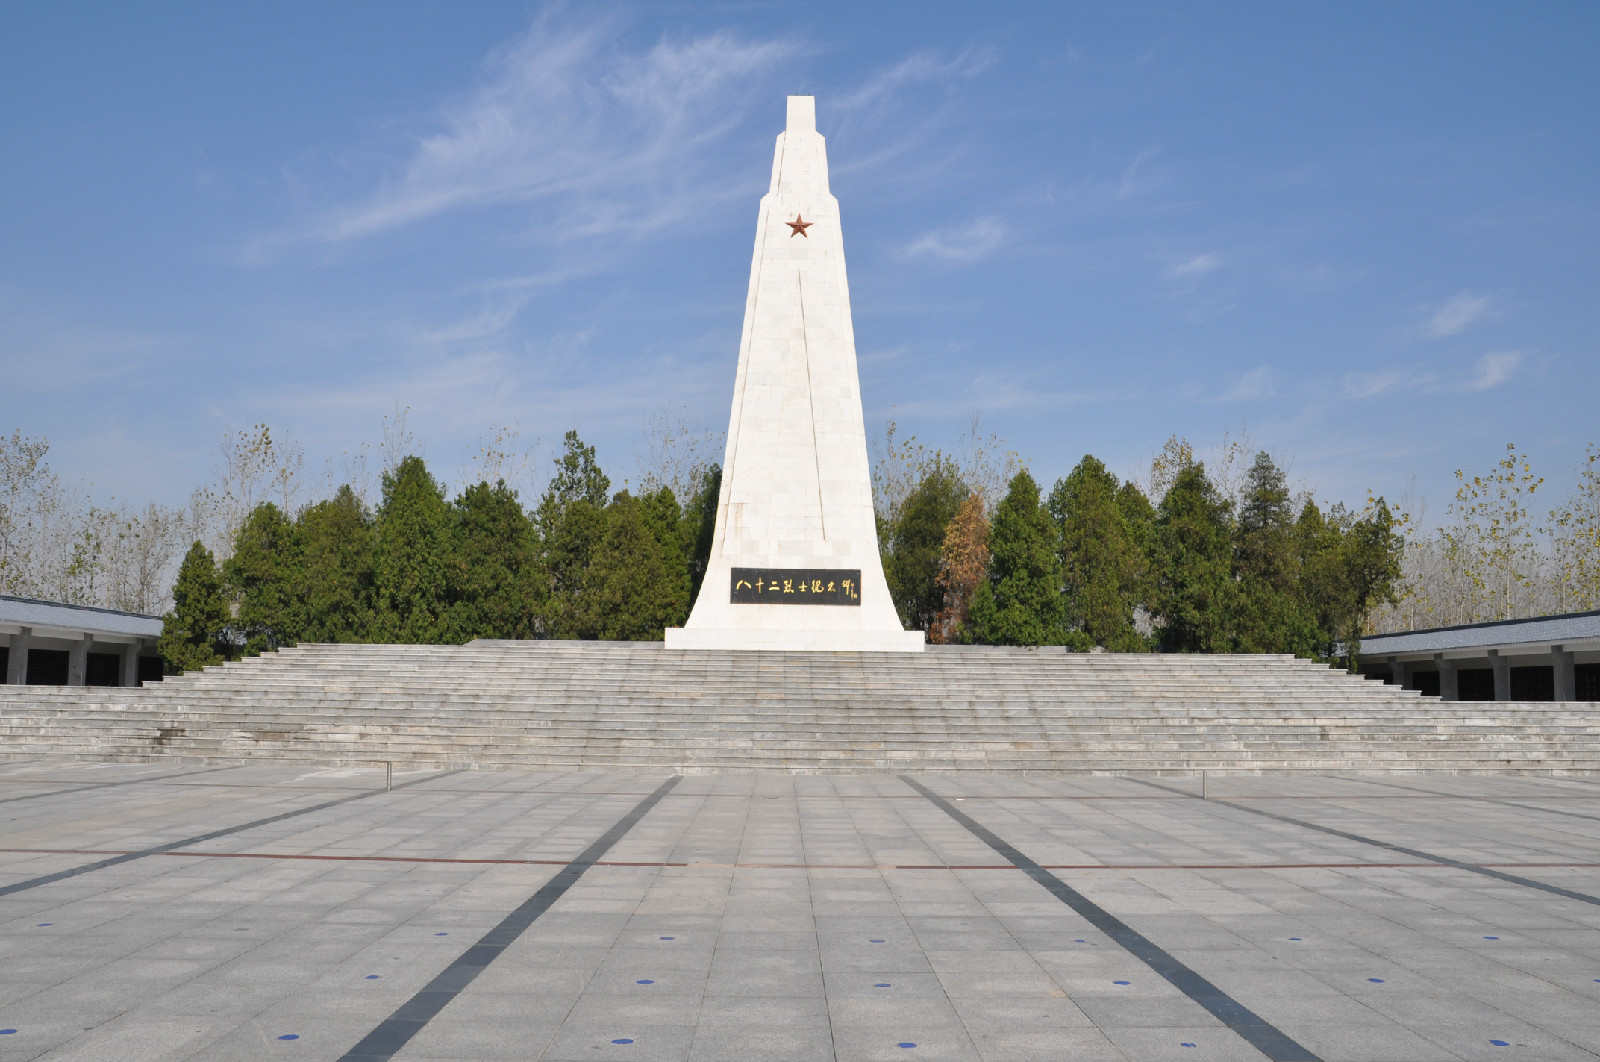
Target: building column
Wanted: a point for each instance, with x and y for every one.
(1449, 689)
(78, 661)
(128, 666)
(1400, 671)
(1502, 675)
(17, 667)
(1566, 674)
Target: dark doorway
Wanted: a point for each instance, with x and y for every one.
(149, 669)
(1588, 676)
(1533, 683)
(1426, 682)
(5, 661)
(47, 667)
(104, 670)
(1475, 684)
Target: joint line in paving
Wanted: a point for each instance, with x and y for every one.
(396, 1031)
(1417, 853)
(1255, 1030)
(1486, 800)
(103, 785)
(128, 857)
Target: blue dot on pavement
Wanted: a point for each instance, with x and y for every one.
(290, 1036)
(622, 1041)
(372, 977)
(7, 1032)
(1376, 980)
(646, 981)
(1186, 1045)
(1491, 938)
(44, 924)
(1294, 938)
(1121, 982)
(441, 934)
(905, 1045)
(1500, 1043)
(874, 942)
(881, 984)
(1077, 942)
(669, 938)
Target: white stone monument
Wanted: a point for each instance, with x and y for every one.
(794, 561)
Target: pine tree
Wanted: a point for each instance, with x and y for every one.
(195, 633)
(1193, 566)
(336, 579)
(263, 577)
(1102, 563)
(497, 585)
(1020, 603)
(413, 557)
(637, 583)
(699, 525)
(572, 521)
(916, 541)
(1272, 616)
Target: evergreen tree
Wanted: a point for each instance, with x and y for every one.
(335, 540)
(263, 577)
(1193, 566)
(636, 584)
(916, 542)
(1272, 616)
(413, 556)
(497, 584)
(699, 528)
(195, 633)
(577, 477)
(1020, 603)
(572, 521)
(1102, 562)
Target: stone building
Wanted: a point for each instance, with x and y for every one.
(46, 643)
(1547, 658)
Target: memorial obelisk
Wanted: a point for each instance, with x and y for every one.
(794, 560)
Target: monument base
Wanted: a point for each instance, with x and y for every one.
(810, 641)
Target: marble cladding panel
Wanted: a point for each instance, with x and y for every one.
(797, 487)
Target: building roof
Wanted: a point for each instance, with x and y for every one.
(85, 619)
(1559, 630)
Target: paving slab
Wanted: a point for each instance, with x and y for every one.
(797, 918)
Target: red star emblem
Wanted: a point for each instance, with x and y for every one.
(799, 225)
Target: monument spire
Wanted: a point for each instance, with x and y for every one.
(794, 560)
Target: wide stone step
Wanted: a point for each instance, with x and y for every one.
(622, 705)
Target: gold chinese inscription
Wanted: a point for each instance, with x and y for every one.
(796, 586)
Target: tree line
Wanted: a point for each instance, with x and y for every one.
(1217, 555)
(1092, 565)
(424, 568)
(1095, 565)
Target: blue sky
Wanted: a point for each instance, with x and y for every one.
(1367, 234)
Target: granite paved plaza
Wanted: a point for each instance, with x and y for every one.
(476, 915)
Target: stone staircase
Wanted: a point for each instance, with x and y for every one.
(637, 705)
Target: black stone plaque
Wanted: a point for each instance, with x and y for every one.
(796, 586)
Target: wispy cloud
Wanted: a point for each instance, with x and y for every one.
(563, 114)
(1456, 314)
(1494, 369)
(1139, 177)
(921, 67)
(1199, 265)
(1372, 385)
(966, 243)
(1257, 383)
